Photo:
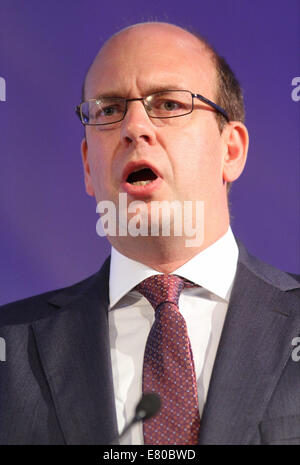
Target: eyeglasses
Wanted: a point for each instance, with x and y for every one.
(163, 104)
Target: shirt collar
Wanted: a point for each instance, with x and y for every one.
(214, 269)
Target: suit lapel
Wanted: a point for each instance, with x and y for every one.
(75, 353)
(254, 348)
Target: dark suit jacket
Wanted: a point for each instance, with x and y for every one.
(56, 383)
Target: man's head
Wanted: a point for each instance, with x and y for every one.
(194, 156)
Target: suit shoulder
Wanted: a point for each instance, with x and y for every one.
(38, 306)
(283, 280)
(295, 276)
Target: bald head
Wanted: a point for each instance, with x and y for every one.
(150, 39)
(145, 43)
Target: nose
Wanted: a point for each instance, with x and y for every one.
(137, 126)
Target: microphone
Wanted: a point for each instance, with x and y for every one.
(147, 407)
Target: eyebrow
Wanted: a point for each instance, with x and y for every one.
(150, 90)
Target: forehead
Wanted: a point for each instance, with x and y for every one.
(148, 57)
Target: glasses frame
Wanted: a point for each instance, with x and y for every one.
(216, 107)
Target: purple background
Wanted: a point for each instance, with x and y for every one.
(48, 236)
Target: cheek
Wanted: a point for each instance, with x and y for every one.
(197, 160)
(198, 152)
(99, 168)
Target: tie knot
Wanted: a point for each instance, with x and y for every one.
(161, 288)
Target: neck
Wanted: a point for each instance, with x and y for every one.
(163, 254)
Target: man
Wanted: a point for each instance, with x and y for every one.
(75, 357)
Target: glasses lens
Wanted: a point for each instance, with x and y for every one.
(169, 103)
(103, 111)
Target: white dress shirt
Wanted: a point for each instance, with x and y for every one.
(131, 317)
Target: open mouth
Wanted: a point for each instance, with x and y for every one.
(141, 177)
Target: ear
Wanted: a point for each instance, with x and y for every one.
(237, 141)
(86, 168)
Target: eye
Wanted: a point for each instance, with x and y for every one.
(165, 105)
(170, 105)
(109, 111)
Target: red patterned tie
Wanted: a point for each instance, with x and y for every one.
(169, 366)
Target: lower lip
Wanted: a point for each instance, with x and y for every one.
(141, 191)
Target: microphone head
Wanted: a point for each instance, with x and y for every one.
(148, 406)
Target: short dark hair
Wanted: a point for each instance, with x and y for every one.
(229, 94)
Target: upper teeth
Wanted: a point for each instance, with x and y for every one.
(141, 183)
